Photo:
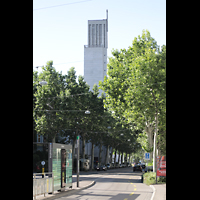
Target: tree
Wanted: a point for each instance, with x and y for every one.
(135, 86)
(59, 107)
(47, 113)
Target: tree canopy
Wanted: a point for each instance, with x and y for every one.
(136, 83)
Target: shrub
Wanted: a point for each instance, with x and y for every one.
(149, 178)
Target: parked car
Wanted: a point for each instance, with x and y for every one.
(137, 168)
(120, 165)
(108, 166)
(102, 167)
(123, 165)
(95, 166)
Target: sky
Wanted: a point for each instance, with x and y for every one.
(60, 32)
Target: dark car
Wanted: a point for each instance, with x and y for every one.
(102, 167)
(137, 168)
(143, 166)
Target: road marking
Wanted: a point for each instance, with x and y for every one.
(153, 191)
(126, 199)
(131, 194)
(131, 183)
(135, 189)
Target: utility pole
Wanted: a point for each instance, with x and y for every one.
(77, 161)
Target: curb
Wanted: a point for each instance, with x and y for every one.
(70, 192)
(153, 192)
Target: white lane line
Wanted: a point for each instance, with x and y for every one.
(153, 192)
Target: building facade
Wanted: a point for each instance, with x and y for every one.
(95, 52)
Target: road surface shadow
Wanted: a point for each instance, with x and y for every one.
(121, 196)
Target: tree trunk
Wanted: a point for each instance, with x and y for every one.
(107, 154)
(126, 159)
(92, 157)
(154, 144)
(83, 150)
(118, 157)
(122, 157)
(100, 148)
(110, 161)
(149, 130)
(115, 158)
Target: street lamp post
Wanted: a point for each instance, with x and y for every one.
(78, 149)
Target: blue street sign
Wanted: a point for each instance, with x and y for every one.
(147, 156)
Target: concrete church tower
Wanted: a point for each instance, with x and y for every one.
(95, 53)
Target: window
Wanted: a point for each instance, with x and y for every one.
(89, 34)
(93, 34)
(100, 34)
(97, 34)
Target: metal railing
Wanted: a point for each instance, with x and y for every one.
(43, 185)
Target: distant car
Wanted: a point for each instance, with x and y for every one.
(123, 165)
(128, 164)
(108, 166)
(102, 167)
(120, 165)
(113, 166)
(137, 168)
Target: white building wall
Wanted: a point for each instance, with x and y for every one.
(95, 52)
(95, 65)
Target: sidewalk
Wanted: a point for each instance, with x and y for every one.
(82, 185)
(160, 192)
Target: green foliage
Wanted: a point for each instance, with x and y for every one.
(47, 102)
(133, 92)
(136, 87)
(149, 178)
(59, 107)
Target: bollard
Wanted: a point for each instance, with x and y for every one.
(142, 178)
(43, 172)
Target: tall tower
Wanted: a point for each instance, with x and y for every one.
(95, 53)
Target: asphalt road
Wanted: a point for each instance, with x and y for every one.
(117, 184)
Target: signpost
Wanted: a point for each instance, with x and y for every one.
(147, 156)
(43, 163)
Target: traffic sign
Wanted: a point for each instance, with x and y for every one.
(43, 162)
(147, 156)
